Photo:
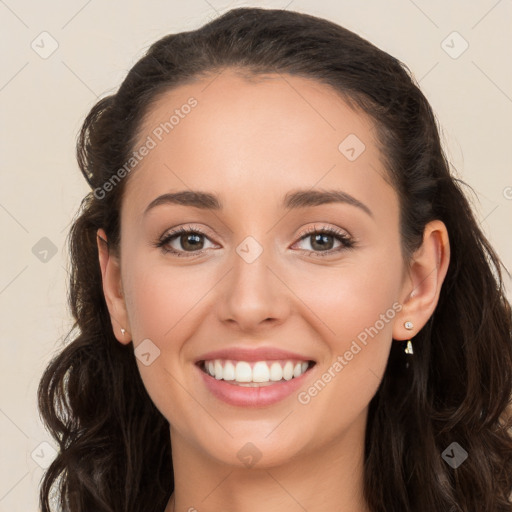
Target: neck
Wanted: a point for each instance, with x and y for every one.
(329, 477)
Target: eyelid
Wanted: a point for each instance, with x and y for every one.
(334, 230)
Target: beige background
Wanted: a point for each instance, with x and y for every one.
(44, 101)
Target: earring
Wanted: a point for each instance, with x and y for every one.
(408, 349)
(123, 331)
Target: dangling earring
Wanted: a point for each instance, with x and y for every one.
(408, 349)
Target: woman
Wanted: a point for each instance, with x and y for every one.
(283, 299)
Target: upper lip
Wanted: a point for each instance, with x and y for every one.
(252, 354)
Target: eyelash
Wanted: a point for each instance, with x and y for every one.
(346, 241)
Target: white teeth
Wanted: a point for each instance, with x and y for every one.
(288, 370)
(276, 372)
(218, 370)
(259, 372)
(229, 371)
(243, 372)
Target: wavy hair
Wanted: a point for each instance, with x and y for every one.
(458, 384)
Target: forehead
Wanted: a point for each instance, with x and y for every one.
(236, 133)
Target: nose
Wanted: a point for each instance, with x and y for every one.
(253, 294)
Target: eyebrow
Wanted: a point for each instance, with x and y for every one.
(292, 200)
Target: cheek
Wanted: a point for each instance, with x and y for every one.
(353, 299)
(342, 307)
(163, 306)
(357, 307)
(160, 299)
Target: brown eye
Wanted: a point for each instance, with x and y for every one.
(191, 241)
(322, 241)
(181, 241)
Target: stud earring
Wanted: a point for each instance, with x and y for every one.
(408, 325)
(123, 331)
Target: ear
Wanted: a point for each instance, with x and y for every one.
(425, 277)
(112, 289)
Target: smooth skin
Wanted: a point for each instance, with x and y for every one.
(250, 142)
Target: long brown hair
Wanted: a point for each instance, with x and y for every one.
(459, 380)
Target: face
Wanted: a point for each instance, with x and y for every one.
(264, 271)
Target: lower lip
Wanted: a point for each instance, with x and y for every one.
(243, 396)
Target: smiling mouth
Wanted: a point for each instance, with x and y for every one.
(255, 373)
